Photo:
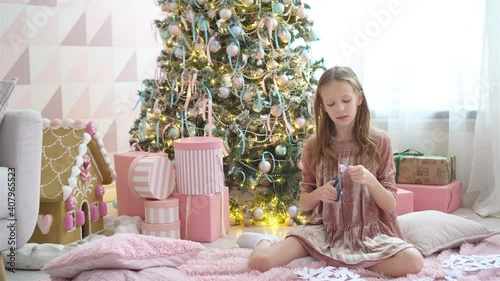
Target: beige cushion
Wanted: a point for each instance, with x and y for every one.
(434, 231)
(6, 88)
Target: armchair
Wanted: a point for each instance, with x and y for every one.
(21, 148)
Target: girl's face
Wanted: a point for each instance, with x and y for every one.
(341, 102)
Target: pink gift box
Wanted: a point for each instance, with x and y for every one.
(404, 202)
(204, 218)
(129, 204)
(444, 198)
(162, 211)
(152, 176)
(198, 163)
(171, 230)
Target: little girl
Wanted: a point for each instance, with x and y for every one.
(353, 221)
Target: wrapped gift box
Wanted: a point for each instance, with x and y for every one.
(414, 167)
(170, 230)
(129, 204)
(198, 162)
(444, 198)
(404, 202)
(152, 176)
(204, 218)
(161, 211)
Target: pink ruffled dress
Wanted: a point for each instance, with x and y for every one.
(353, 232)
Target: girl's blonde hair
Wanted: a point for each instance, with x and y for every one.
(325, 128)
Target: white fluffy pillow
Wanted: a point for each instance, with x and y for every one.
(434, 231)
(124, 251)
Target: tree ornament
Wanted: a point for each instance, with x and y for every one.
(115, 203)
(174, 133)
(259, 71)
(312, 36)
(276, 110)
(211, 14)
(266, 1)
(257, 107)
(292, 211)
(247, 3)
(280, 150)
(206, 129)
(232, 50)
(238, 81)
(286, 2)
(265, 166)
(164, 34)
(248, 95)
(224, 92)
(299, 122)
(193, 112)
(192, 131)
(236, 29)
(260, 54)
(258, 213)
(178, 52)
(214, 46)
(273, 23)
(272, 65)
(282, 80)
(290, 221)
(200, 2)
(174, 29)
(246, 222)
(199, 47)
(156, 111)
(301, 13)
(279, 8)
(284, 35)
(225, 14)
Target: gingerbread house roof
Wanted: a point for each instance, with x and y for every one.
(65, 146)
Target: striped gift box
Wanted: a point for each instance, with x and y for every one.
(170, 230)
(161, 211)
(198, 163)
(152, 176)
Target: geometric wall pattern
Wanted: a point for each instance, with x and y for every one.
(80, 59)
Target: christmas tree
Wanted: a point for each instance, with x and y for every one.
(240, 70)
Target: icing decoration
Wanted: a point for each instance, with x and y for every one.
(94, 212)
(55, 122)
(72, 183)
(66, 191)
(74, 172)
(79, 123)
(44, 223)
(103, 209)
(85, 168)
(71, 203)
(68, 222)
(91, 128)
(46, 122)
(80, 218)
(99, 190)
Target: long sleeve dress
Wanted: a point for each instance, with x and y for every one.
(353, 232)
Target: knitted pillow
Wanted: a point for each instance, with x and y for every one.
(6, 88)
(124, 251)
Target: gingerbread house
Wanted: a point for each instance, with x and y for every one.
(75, 168)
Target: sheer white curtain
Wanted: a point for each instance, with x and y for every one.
(484, 188)
(420, 64)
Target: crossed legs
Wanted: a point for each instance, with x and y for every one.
(269, 253)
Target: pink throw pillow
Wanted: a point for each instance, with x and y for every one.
(124, 251)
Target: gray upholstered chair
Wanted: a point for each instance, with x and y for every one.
(20, 148)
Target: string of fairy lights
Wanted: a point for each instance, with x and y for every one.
(242, 68)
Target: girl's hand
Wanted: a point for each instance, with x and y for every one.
(327, 192)
(359, 174)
